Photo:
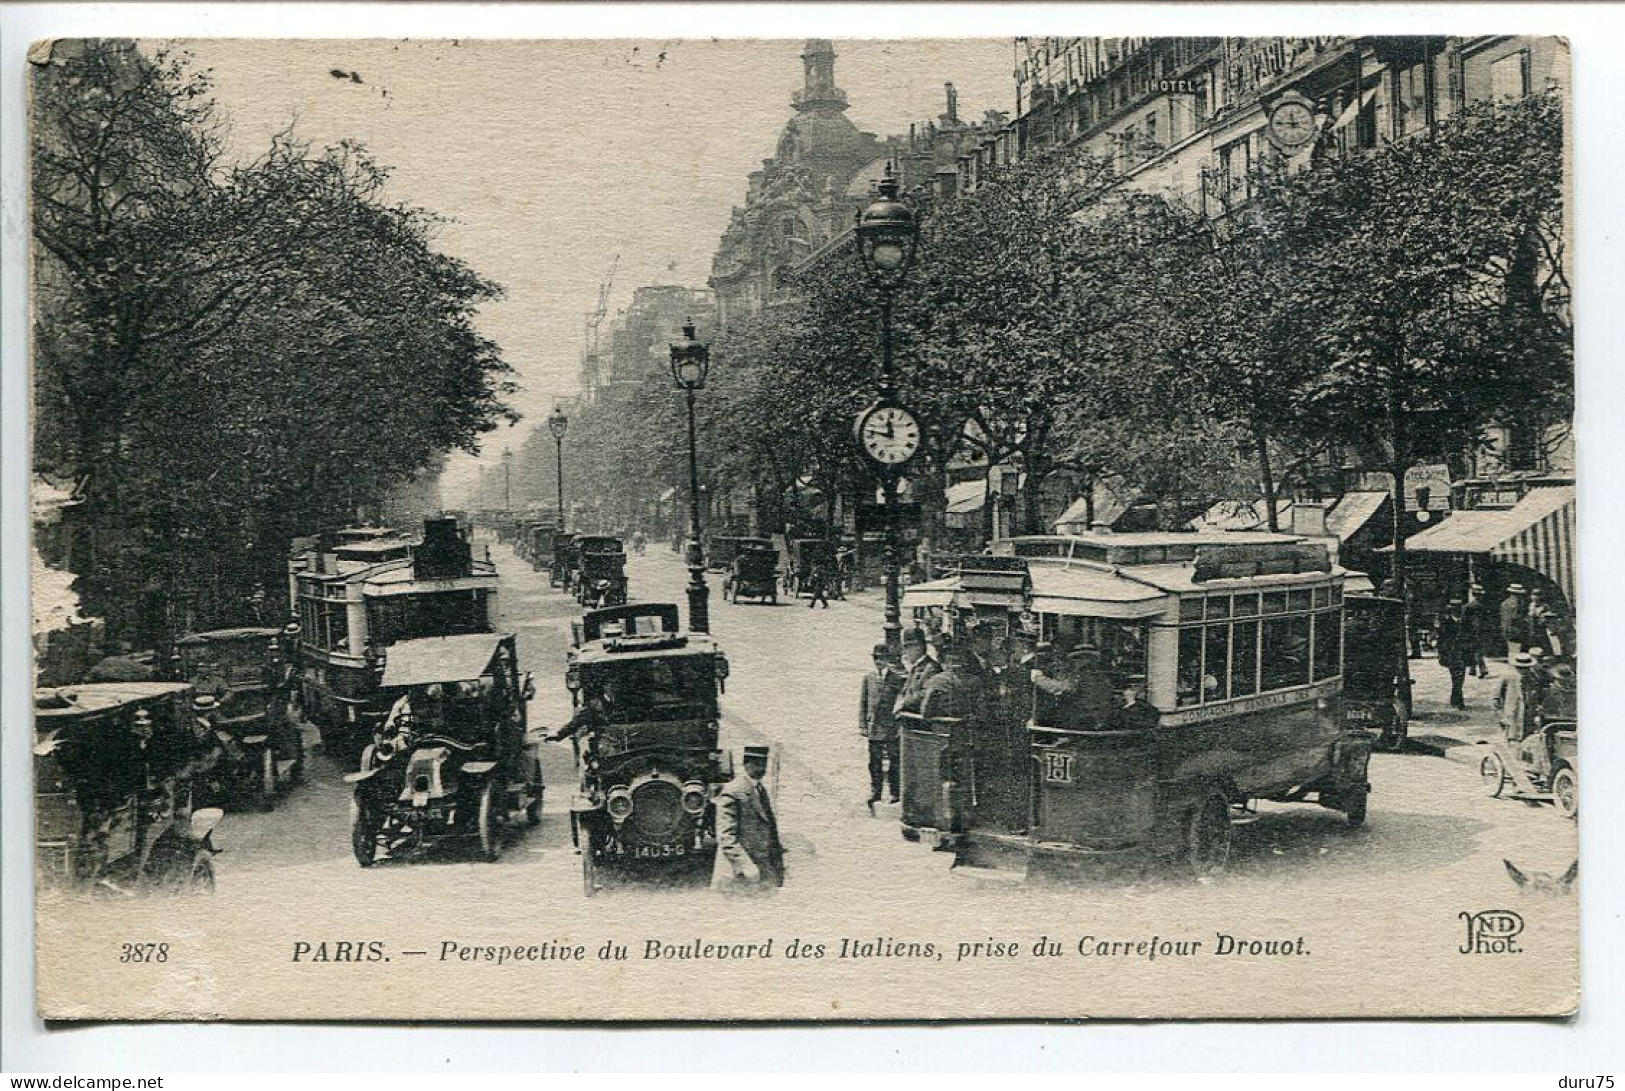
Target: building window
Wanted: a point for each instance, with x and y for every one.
(1509, 76)
(1410, 100)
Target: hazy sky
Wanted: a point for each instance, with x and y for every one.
(550, 158)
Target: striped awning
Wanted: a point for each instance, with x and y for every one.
(1546, 543)
(1537, 533)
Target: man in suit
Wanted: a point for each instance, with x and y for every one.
(918, 669)
(877, 721)
(1454, 649)
(1515, 620)
(750, 856)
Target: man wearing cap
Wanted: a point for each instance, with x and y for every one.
(877, 721)
(1454, 655)
(1077, 691)
(1514, 620)
(750, 856)
(918, 669)
(955, 694)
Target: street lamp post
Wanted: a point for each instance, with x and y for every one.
(888, 433)
(690, 362)
(557, 424)
(507, 480)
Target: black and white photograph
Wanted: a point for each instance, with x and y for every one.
(803, 529)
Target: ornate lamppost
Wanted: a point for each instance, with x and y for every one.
(888, 433)
(557, 424)
(690, 363)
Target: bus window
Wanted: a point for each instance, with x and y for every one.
(1244, 659)
(1328, 643)
(1216, 664)
(1286, 652)
(1189, 689)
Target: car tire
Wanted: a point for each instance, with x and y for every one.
(490, 820)
(1208, 836)
(200, 880)
(363, 833)
(1566, 791)
(1354, 807)
(267, 778)
(1492, 773)
(589, 869)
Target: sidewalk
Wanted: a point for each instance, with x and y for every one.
(1445, 732)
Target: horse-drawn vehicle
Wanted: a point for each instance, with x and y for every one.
(645, 735)
(754, 573)
(247, 675)
(453, 760)
(113, 767)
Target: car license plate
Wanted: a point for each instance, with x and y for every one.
(1362, 715)
(657, 852)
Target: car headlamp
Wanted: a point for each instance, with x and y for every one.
(694, 797)
(619, 804)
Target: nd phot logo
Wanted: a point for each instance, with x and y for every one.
(1491, 932)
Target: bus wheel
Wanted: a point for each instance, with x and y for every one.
(1207, 837)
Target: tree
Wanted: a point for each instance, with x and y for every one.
(228, 353)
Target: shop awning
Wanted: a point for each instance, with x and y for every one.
(1084, 592)
(439, 659)
(1546, 543)
(1537, 533)
(930, 593)
(965, 497)
(1352, 512)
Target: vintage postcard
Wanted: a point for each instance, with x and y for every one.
(692, 530)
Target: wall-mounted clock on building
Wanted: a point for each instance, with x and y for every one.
(888, 434)
(1291, 123)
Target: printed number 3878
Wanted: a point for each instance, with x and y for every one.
(143, 952)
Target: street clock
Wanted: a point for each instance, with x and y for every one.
(888, 434)
(1291, 124)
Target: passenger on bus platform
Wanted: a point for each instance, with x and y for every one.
(1136, 713)
(1077, 692)
(956, 694)
(918, 667)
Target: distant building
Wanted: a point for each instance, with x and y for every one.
(823, 170)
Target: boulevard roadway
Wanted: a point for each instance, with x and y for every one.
(793, 685)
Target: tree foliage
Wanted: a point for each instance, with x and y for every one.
(228, 353)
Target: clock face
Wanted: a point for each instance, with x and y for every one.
(1293, 124)
(889, 434)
